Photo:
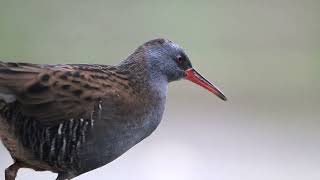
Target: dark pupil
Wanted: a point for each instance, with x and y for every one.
(179, 59)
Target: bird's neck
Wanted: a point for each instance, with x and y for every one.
(145, 77)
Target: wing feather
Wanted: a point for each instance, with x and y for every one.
(54, 93)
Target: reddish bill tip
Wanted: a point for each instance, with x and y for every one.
(194, 76)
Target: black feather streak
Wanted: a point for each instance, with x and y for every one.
(77, 92)
(37, 88)
(45, 77)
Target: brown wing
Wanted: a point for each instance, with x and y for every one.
(53, 93)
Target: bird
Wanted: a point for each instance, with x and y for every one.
(73, 118)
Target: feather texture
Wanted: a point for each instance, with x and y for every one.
(53, 93)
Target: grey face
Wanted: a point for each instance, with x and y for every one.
(167, 59)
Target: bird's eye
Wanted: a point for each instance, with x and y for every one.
(179, 59)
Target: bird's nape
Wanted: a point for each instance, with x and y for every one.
(193, 76)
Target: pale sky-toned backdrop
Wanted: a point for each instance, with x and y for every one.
(264, 55)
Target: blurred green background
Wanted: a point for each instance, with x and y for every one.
(264, 55)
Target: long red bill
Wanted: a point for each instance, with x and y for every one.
(194, 76)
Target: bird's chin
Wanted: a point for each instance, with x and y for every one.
(178, 75)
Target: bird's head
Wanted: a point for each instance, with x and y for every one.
(166, 59)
